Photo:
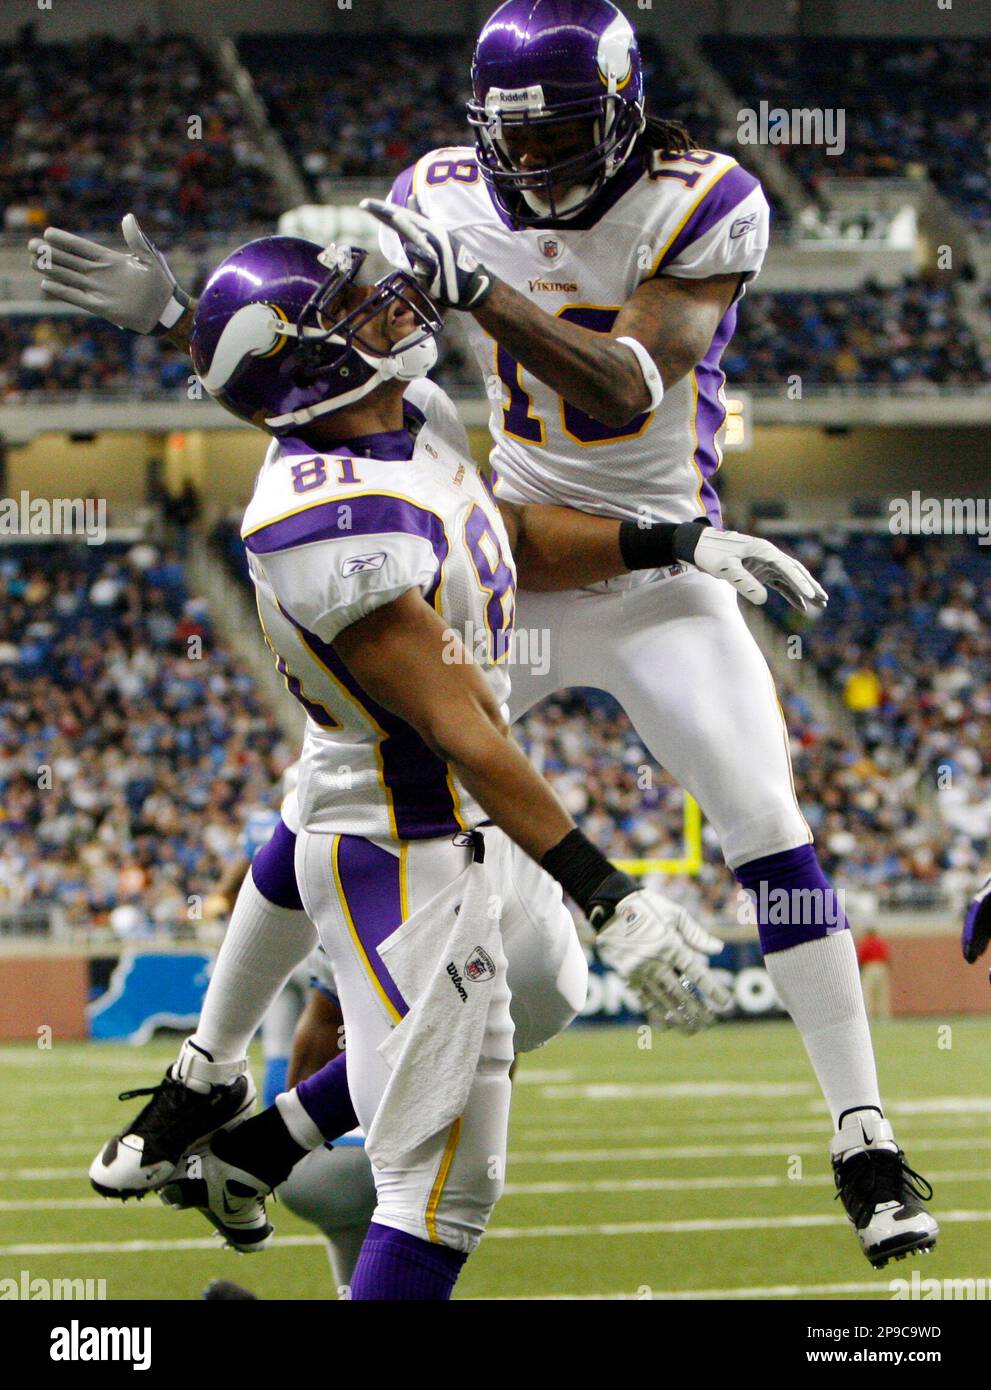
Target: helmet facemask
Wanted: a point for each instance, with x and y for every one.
(325, 336)
(329, 343)
(529, 195)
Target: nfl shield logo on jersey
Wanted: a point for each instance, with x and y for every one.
(550, 246)
(479, 966)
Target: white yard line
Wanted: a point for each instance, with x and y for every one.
(617, 1228)
(658, 1154)
(687, 1127)
(607, 1186)
(691, 1295)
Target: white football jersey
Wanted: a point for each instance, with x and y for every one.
(692, 216)
(333, 536)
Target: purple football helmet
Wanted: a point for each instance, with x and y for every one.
(271, 340)
(548, 61)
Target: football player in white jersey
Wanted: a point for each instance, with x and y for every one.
(385, 586)
(599, 260)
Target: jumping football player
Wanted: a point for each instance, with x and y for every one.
(599, 259)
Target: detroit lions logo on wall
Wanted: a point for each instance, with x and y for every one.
(479, 966)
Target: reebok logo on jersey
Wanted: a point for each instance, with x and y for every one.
(742, 226)
(479, 966)
(457, 981)
(357, 564)
(540, 286)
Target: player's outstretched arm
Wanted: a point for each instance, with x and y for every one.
(556, 548)
(133, 289)
(661, 332)
(403, 656)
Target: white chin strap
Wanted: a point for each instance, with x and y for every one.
(406, 365)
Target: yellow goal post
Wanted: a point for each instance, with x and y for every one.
(691, 848)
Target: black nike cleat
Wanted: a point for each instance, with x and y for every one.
(195, 1098)
(882, 1195)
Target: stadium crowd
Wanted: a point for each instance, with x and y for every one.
(911, 336)
(101, 126)
(911, 107)
(132, 746)
(905, 642)
(76, 353)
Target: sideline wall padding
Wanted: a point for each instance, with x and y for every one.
(43, 990)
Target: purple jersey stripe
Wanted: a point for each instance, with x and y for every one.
(710, 413)
(274, 869)
(369, 880)
(367, 515)
(416, 778)
(401, 189)
(726, 194)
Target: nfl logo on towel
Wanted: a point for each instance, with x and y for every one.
(479, 966)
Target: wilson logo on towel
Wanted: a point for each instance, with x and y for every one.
(457, 981)
(479, 966)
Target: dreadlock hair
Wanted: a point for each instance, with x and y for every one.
(670, 137)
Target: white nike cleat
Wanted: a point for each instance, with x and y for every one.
(196, 1097)
(231, 1198)
(882, 1195)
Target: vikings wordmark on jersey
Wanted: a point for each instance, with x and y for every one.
(692, 216)
(333, 536)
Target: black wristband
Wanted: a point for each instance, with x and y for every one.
(659, 545)
(586, 874)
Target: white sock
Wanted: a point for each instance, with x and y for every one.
(819, 984)
(263, 946)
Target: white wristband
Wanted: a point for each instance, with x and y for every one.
(651, 376)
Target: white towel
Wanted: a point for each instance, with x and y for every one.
(434, 1050)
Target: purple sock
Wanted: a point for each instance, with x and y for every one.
(326, 1099)
(792, 897)
(394, 1265)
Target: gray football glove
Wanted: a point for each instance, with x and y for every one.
(753, 566)
(662, 954)
(134, 289)
(442, 265)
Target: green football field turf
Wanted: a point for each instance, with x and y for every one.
(697, 1166)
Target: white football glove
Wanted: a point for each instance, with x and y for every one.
(134, 289)
(752, 566)
(662, 954)
(442, 266)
